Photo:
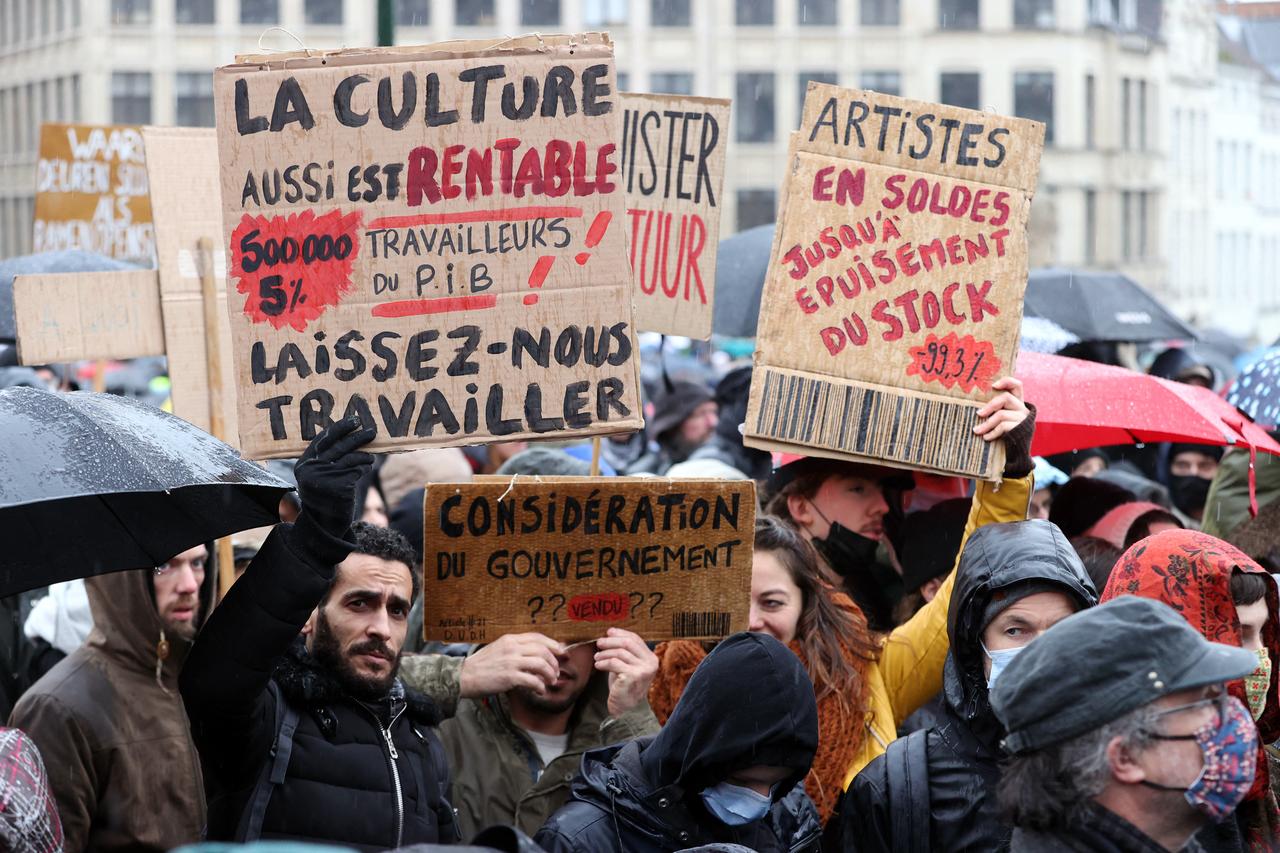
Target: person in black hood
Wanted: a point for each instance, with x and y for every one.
(1188, 472)
(726, 768)
(935, 789)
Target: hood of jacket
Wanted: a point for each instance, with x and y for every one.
(127, 626)
(1191, 572)
(750, 702)
(996, 557)
(62, 618)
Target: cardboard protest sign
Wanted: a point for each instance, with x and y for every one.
(673, 150)
(430, 238)
(572, 557)
(91, 192)
(182, 164)
(894, 296)
(64, 316)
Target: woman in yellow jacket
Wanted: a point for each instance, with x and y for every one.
(839, 507)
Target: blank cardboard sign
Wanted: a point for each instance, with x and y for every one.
(70, 316)
(673, 150)
(91, 191)
(668, 559)
(894, 296)
(430, 238)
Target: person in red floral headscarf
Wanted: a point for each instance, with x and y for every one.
(1193, 573)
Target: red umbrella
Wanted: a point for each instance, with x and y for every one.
(1082, 404)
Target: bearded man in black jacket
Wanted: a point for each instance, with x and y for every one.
(304, 729)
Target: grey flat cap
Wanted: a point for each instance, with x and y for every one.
(1099, 664)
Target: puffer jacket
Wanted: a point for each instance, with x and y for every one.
(963, 750)
(498, 777)
(749, 703)
(110, 724)
(371, 776)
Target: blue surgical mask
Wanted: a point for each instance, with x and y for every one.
(734, 805)
(999, 660)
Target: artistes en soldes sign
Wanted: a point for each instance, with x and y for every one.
(894, 296)
(430, 238)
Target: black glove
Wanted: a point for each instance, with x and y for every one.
(327, 474)
(1017, 447)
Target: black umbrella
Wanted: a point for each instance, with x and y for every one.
(93, 483)
(1256, 391)
(741, 261)
(73, 260)
(1101, 306)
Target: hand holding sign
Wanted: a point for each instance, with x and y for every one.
(631, 666)
(512, 660)
(1003, 412)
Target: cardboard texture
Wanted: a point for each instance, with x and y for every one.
(895, 293)
(431, 238)
(91, 192)
(673, 151)
(573, 557)
(182, 163)
(70, 316)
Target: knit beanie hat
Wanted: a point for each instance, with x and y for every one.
(1083, 501)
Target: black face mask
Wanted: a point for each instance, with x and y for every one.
(1189, 493)
(874, 588)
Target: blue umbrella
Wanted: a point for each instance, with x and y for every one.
(1256, 391)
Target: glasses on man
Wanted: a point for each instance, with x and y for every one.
(1218, 702)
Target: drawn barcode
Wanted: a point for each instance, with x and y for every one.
(880, 424)
(708, 623)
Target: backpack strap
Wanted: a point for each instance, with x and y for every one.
(273, 771)
(907, 762)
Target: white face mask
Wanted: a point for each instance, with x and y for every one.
(999, 660)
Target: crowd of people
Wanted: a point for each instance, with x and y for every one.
(1072, 658)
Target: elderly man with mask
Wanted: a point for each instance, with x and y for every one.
(1015, 581)
(1135, 752)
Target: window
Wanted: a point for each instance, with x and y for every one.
(957, 14)
(803, 79)
(604, 13)
(671, 82)
(193, 11)
(540, 13)
(1090, 227)
(753, 13)
(1144, 199)
(1126, 225)
(754, 103)
(888, 82)
(1033, 14)
(624, 81)
(1126, 108)
(756, 207)
(881, 13)
(412, 13)
(33, 12)
(259, 11)
(473, 13)
(1142, 115)
(195, 98)
(75, 97)
(816, 13)
(325, 12)
(670, 13)
(131, 97)
(960, 89)
(1090, 111)
(1033, 99)
(136, 12)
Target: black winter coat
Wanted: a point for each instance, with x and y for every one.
(369, 776)
(964, 748)
(749, 703)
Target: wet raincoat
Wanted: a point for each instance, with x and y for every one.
(110, 724)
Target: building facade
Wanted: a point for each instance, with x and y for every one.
(1126, 88)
